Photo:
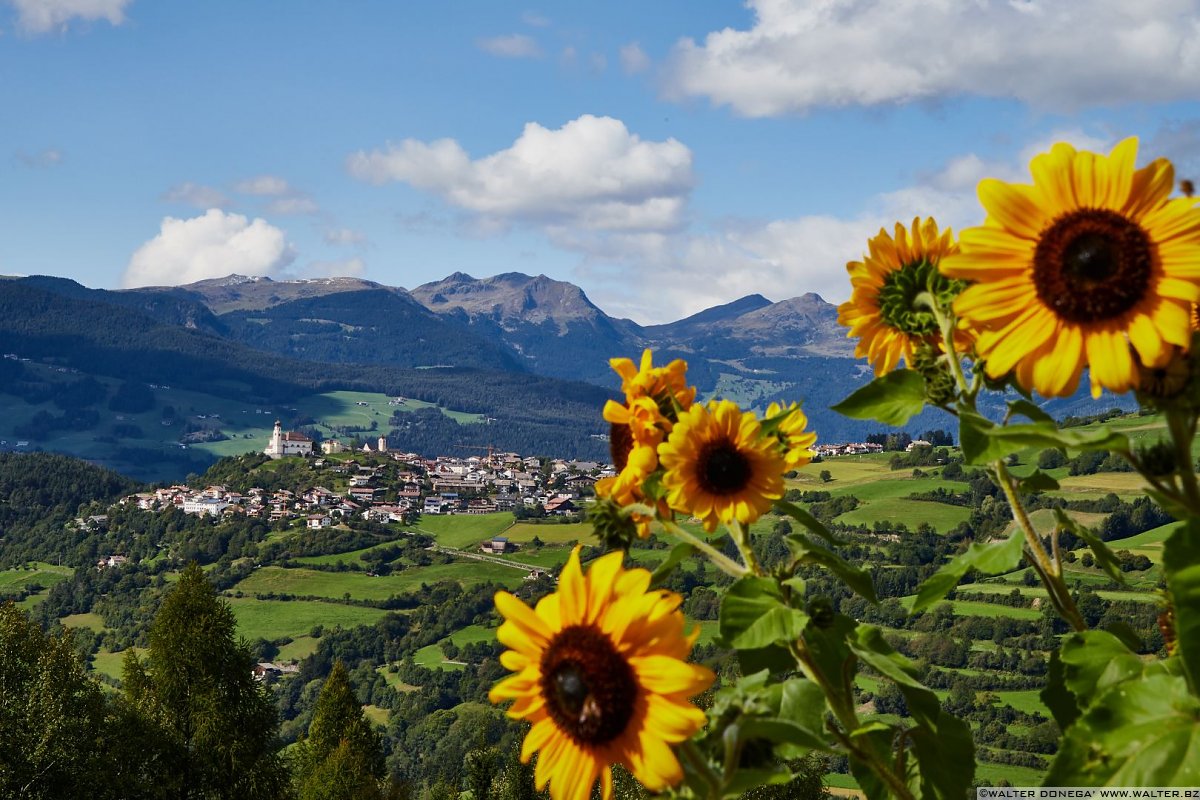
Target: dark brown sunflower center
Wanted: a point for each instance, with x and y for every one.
(620, 444)
(721, 468)
(1092, 265)
(588, 686)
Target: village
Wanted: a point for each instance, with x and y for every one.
(537, 486)
(367, 489)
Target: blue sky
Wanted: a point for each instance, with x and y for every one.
(664, 156)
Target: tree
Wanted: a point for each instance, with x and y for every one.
(52, 716)
(217, 726)
(826, 476)
(342, 757)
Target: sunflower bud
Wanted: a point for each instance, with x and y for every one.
(1158, 459)
(612, 524)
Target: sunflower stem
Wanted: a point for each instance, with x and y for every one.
(946, 324)
(847, 717)
(1049, 570)
(702, 768)
(722, 561)
(741, 538)
(1183, 431)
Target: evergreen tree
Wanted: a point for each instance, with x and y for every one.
(217, 726)
(342, 758)
(52, 716)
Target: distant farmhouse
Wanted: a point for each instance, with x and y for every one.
(288, 444)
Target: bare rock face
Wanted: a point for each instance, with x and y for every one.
(511, 300)
(249, 293)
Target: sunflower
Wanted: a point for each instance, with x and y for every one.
(601, 677)
(634, 464)
(719, 466)
(882, 312)
(1070, 271)
(797, 442)
(654, 396)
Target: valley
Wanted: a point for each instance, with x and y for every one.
(412, 616)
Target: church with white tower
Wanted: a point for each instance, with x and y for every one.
(288, 444)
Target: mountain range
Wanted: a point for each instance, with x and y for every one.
(538, 342)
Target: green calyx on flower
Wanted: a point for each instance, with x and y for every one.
(897, 299)
(939, 380)
(612, 524)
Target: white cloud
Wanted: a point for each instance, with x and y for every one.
(516, 45)
(208, 246)
(46, 16)
(1051, 53)
(263, 186)
(288, 201)
(535, 20)
(345, 236)
(667, 277)
(346, 268)
(599, 62)
(592, 173)
(195, 194)
(295, 204)
(634, 59)
(50, 157)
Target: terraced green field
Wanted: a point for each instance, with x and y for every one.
(359, 586)
(276, 619)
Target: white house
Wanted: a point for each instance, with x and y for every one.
(205, 505)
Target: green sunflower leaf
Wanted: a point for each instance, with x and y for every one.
(663, 571)
(1056, 696)
(983, 440)
(1181, 562)
(1038, 481)
(754, 615)
(806, 551)
(1142, 732)
(807, 520)
(1095, 661)
(991, 558)
(893, 398)
(942, 743)
(1105, 557)
(1030, 410)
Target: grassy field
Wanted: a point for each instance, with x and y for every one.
(13, 581)
(911, 513)
(975, 608)
(93, 622)
(547, 557)
(1039, 591)
(431, 657)
(109, 664)
(308, 582)
(551, 533)
(465, 530)
(351, 558)
(275, 619)
(1044, 520)
(378, 716)
(300, 647)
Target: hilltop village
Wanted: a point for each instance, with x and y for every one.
(382, 486)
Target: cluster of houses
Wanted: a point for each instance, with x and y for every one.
(442, 485)
(849, 449)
